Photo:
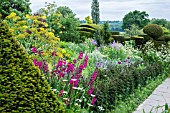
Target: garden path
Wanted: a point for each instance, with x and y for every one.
(159, 97)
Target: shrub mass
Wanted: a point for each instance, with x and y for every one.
(22, 87)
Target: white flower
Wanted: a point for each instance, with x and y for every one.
(92, 95)
(78, 100)
(65, 80)
(54, 89)
(73, 80)
(100, 108)
(89, 104)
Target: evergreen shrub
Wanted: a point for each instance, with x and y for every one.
(22, 87)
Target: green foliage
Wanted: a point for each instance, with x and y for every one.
(98, 37)
(8, 6)
(87, 30)
(119, 82)
(138, 41)
(115, 32)
(162, 22)
(95, 12)
(137, 18)
(89, 20)
(139, 95)
(63, 21)
(153, 30)
(106, 33)
(133, 31)
(118, 38)
(22, 87)
(65, 11)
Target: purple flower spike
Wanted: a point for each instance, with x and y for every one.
(119, 62)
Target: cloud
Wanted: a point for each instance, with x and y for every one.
(111, 9)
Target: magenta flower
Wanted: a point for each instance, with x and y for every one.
(39, 64)
(34, 50)
(74, 82)
(54, 53)
(70, 67)
(35, 61)
(60, 62)
(80, 55)
(94, 100)
(91, 90)
(74, 61)
(93, 77)
(61, 93)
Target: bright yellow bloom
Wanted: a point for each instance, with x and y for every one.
(60, 32)
(63, 51)
(27, 16)
(21, 36)
(51, 34)
(33, 29)
(56, 39)
(42, 29)
(25, 27)
(13, 14)
(44, 17)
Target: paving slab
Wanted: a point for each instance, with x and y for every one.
(157, 99)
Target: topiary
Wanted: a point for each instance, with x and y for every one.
(22, 88)
(153, 30)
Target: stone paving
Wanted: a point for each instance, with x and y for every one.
(159, 97)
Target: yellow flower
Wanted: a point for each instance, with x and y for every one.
(56, 39)
(45, 54)
(25, 27)
(59, 55)
(27, 16)
(42, 29)
(13, 14)
(33, 29)
(51, 34)
(44, 17)
(53, 41)
(63, 51)
(60, 32)
(35, 21)
(21, 36)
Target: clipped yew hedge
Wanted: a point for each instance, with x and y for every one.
(22, 88)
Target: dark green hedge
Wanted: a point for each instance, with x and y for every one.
(22, 88)
(153, 30)
(121, 81)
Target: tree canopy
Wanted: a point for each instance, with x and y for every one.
(138, 18)
(95, 12)
(7, 6)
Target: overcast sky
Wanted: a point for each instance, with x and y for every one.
(111, 9)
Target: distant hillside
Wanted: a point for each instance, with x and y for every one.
(114, 25)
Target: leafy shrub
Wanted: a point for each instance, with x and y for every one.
(138, 40)
(118, 38)
(117, 82)
(115, 32)
(153, 30)
(22, 87)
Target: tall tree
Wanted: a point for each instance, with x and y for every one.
(137, 18)
(6, 6)
(95, 12)
(161, 22)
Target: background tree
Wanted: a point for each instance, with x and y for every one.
(7, 6)
(106, 33)
(137, 18)
(65, 11)
(161, 22)
(95, 12)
